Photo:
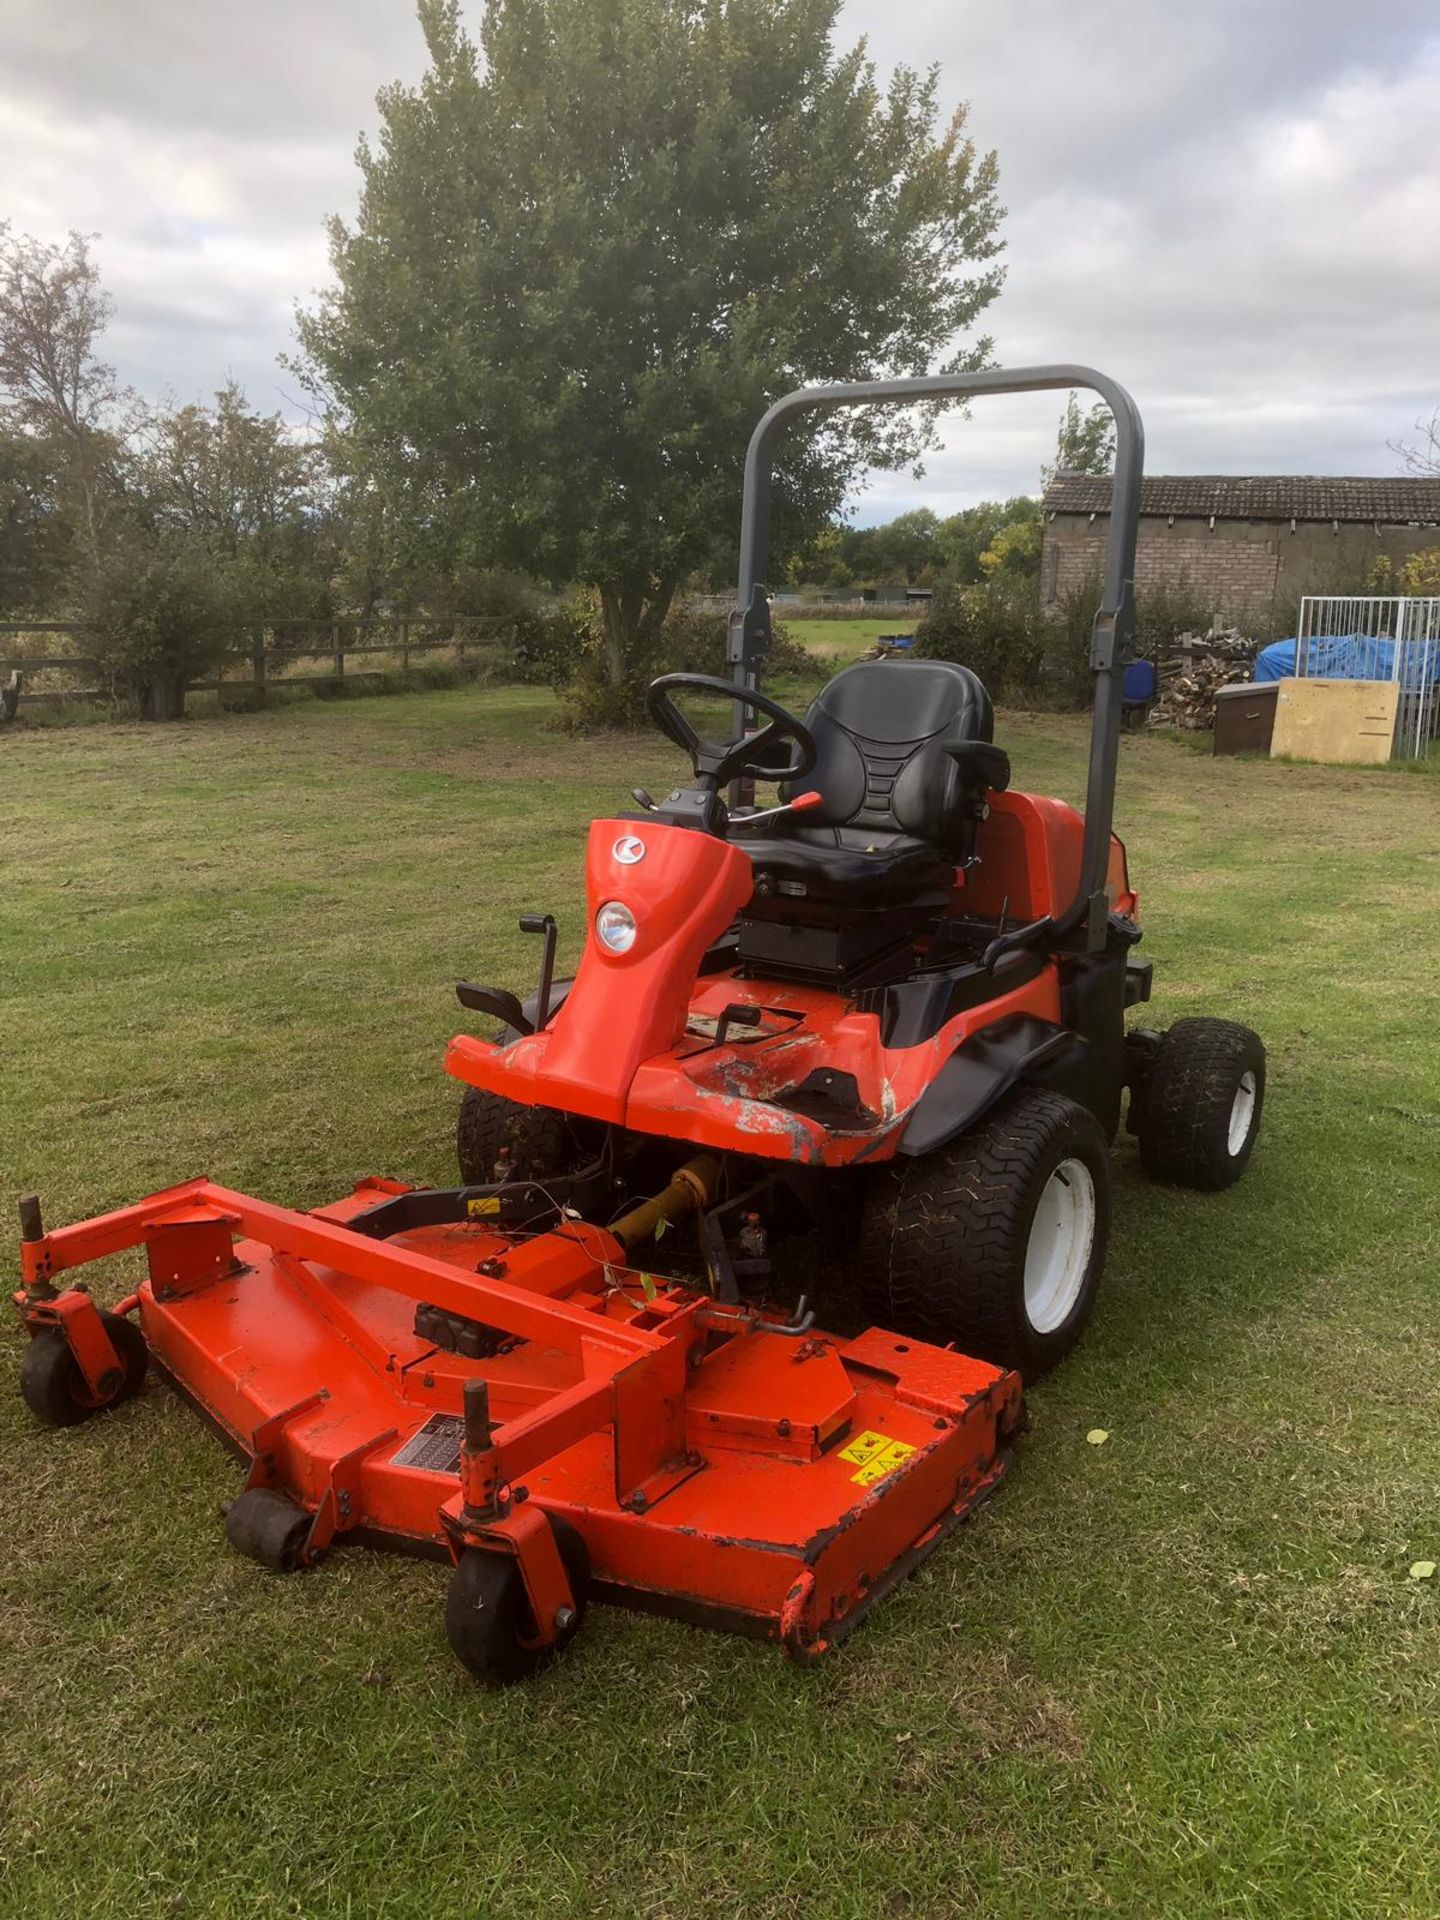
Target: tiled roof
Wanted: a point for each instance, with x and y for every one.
(1262, 496)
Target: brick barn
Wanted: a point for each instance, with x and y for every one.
(1246, 547)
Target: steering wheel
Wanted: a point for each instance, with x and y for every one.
(722, 761)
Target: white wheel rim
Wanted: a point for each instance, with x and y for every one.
(1242, 1113)
(1057, 1254)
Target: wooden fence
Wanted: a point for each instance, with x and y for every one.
(268, 656)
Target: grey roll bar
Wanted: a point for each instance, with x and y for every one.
(1114, 620)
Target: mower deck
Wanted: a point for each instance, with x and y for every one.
(717, 1462)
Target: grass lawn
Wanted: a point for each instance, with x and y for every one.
(1184, 1673)
(838, 642)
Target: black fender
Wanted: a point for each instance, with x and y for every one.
(979, 1072)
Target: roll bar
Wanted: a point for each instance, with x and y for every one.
(1114, 621)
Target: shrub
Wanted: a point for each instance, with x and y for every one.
(1161, 616)
(688, 642)
(1163, 613)
(1068, 625)
(993, 628)
(160, 613)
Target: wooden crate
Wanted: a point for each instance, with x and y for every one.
(1335, 720)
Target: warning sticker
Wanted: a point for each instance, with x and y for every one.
(864, 1447)
(875, 1454)
(484, 1208)
(886, 1461)
(435, 1447)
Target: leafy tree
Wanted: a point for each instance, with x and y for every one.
(34, 532)
(1086, 442)
(55, 387)
(584, 264)
(241, 485)
(1015, 550)
(901, 549)
(1420, 574)
(969, 534)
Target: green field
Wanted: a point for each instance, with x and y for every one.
(838, 642)
(1184, 1673)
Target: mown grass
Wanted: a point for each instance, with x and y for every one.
(1185, 1673)
(838, 642)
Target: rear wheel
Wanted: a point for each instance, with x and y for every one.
(488, 1620)
(497, 1139)
(1200, 1104)
(997, 1242)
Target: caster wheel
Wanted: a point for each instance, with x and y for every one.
(268, 1527)
(487, 1615)
(54, 1388)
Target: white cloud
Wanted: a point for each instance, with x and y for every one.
(1258, 259)
(1232, 207)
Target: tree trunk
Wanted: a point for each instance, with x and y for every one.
(162, 695)
(632, 617)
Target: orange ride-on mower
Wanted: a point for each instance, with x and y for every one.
(883, 1020)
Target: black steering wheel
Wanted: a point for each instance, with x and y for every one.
(722, 761)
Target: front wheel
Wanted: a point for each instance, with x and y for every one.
(488, 1621)
(498, 1139)
(995, 1243)
(1200, 1103)
(54, 1388)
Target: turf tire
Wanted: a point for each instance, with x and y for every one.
(1200, 1104)
(540, 1140)
(944, 1240)
(487, 1615)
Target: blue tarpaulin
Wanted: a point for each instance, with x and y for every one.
(1352, 656)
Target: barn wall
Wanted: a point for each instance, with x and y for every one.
(1250, 571)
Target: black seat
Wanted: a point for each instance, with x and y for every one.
(904, 761)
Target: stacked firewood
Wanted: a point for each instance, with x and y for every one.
(1192, 669)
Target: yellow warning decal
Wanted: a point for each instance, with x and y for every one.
(884, 1462)
(483, 1209)
(875, 1454)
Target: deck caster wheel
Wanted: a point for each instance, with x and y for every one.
(268, 1527)
(487, 1615)
(996, 1242)
(1200, 1104)
(54, 1388)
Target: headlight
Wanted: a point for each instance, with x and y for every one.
(615, 927)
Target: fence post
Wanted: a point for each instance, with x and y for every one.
(461, 628)
(339, 649)
(257, 663)
(402, 628)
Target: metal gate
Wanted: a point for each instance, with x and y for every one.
(1378, 637)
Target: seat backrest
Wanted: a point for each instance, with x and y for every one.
(881, 730)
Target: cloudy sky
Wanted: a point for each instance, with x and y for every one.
(1233, 205)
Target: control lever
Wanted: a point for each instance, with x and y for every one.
(643, 799)
(802, 803)
(543, 924)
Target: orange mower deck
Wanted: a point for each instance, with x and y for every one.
(606, 1432)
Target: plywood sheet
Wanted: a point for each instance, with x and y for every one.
(1335, 720)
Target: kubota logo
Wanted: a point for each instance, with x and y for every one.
(629, 849)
